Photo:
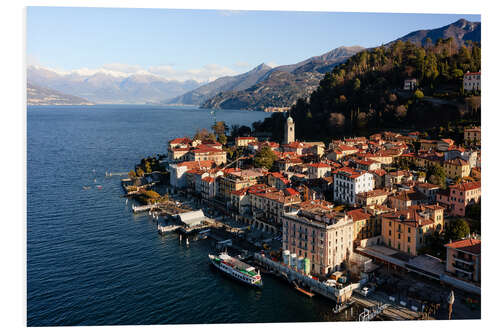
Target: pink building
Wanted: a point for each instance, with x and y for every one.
(457, 197)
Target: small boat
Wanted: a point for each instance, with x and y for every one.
(99, 187)
(187, 241)
(236, 269)
(305, 292)
(86, 187)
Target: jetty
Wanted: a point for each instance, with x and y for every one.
(163, 229)
(336, 294)
(145, 208)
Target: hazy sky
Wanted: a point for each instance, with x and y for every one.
(201, 44)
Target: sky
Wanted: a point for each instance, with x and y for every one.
(202, 44)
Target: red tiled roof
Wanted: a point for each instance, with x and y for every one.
(466, 186)
(358, 215)
(467, 245)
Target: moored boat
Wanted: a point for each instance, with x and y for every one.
(236, 269)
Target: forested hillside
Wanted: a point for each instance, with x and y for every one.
(366, 92)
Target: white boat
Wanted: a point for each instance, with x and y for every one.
(236, 269)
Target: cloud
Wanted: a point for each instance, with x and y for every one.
(208, 72)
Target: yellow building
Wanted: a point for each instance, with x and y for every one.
(456, 168)
(407, 230)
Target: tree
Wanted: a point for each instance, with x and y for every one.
(265, 158)
(418, 94)
(222, 139)
(132, 174)
(220, 128)
(457, 229)
(437, 176)
(140, 172)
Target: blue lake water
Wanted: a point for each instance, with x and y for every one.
(91, 261)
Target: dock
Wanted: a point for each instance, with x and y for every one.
(145, 208)
(330, 292)
(163, 229)
(387, 310)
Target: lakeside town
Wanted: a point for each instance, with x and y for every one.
(390, 222)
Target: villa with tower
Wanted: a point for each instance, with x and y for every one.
(289, 131)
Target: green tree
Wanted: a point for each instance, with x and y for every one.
(265, 158)
(437, 176)
(222, 139)
(457, 229)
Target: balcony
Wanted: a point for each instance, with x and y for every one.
(463, 260)
(463, 268)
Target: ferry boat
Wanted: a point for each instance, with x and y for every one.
(236, 269)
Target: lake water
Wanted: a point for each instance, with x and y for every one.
(91, 261)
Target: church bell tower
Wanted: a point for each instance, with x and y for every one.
(289, 130)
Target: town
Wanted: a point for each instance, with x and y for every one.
(391, 202)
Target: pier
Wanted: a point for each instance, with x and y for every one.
(337, 295)
(139, 209)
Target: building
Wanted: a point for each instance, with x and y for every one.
(457, 197)
(244, 141)
(472, 135)
(410, 84)
(269, 204)
(456, 168)
(323, 236)
(374, 197)
(178, 171)
(289, 131)
(362, 228)
(318, 170)
(405, 199)
(472, 81)
(429, 190)
(348, 182)
(278, 180)
(178, 149)
(234, 180)
(463, 259)
(207, 153)
(407, 230)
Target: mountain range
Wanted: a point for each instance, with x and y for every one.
(45, 96)
(104, 88)
(256, 89)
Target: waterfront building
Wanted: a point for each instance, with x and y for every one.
(289, 131)
(316, 232)
(472, 81)
(178, 149)
(348, 182)
(178, 171)
(472, 135)
(457, 197)
(407, 230)
(463, 259)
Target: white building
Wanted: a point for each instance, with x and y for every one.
(348, 182)
(178, 171)
(410, 84)
(472, 81)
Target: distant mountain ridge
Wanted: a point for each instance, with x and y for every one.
(45, 96)
(105, 88)
(282, 85)
(226, 83)
(461, 31)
